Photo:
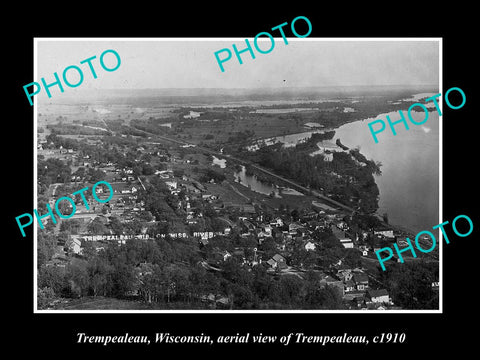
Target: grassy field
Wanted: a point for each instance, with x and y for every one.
(103, 303)
(99, 303)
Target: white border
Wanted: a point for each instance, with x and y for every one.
(386, 39)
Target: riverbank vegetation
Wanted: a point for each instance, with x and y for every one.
(343, 179)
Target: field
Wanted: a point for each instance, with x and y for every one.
(105, 303)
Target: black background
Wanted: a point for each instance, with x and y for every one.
(427, 334)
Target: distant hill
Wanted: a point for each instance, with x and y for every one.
(219, 95)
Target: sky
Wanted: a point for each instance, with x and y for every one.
(179, 63)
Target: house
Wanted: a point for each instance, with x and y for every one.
(266, 229)
(349, 286)
(261, 235)
(277, 222)
(73, 245)
(378, 296)
(347, 243)
(221, 255)
(357, 297)
(277, 262)
(361, 281)
(342, 237)
(344, 273)
(281, 265)
(162, 172)
(171, 185)
(386, 232)
(402, 241)
(293, 227)
(309, 246)
(272, 263)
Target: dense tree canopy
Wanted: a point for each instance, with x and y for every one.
(344, 178)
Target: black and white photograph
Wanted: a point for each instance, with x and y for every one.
(274, 182)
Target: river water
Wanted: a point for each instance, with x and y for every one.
(254, 184)
(409, 184)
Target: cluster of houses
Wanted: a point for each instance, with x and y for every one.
(355, 287)
(352, 284)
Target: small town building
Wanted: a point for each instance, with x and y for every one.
(378, 296)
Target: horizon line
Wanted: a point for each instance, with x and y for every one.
(267, 87)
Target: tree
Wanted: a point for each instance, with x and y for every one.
(53, 278)
(240, 296)
(53, 171)
(179, 286)
(209, 211)
(269, 247)
(116, 225)
(88, 250)
(262, 283)
(147, 169)
(98, 271)
(326, 298)
(121, 279)
(385, 217)
(71, 226)
(145, 216)
(217, 224)
(44, 297)
(410, 284)
(235, 273)
(150, 288)
(97, 227)
(46, 244)
(306, 259)
(291, 290)
(352, 257)
(295, 214)
(178, 173)
(78, 277)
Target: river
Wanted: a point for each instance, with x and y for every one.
(409, 184)
(254, 184)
